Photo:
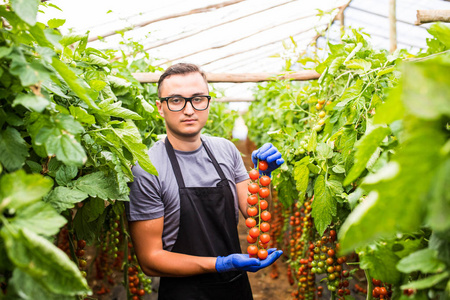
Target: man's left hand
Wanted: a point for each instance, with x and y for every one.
(270, 154)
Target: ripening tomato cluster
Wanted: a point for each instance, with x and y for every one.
(138, 283)
(381, 290)
(259, 216)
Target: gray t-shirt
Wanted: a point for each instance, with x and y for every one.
(152, 197)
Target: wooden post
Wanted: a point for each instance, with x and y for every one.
(430, 15)
(239, 77)
(392, 26)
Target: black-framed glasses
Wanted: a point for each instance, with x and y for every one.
(177, 103)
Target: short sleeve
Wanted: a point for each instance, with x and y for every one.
(145, 197)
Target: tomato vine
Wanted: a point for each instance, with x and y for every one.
(367, 144)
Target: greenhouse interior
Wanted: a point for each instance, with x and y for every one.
(312, 162)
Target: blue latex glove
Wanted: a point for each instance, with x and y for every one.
(270, 154)
(242, 262)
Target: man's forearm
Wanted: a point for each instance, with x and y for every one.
(171, 264)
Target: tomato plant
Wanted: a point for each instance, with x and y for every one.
(349, 182)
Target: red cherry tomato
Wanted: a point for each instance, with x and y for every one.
(263, 165)
(251, 240)
(265, 215)
(254, 232)
(264, 238)
(261, 245)
(250, 222)
(263, 204)
(264, 192)
(253, 188)
(252, 249)
(264, 226)
(264, 180)
(254, 174)
(252, 211)
(262, 254)
(252, 199)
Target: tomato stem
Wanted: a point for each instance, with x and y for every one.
(71, 245)
(369, 285)
(259, 211)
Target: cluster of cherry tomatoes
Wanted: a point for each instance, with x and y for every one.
(259, 216)
(380, 290)
(138, 283)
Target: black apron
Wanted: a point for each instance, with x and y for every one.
(207, 228)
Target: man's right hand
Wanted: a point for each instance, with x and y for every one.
(242, 262)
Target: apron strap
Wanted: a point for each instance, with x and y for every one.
(176, 167)
(174, 162)
(214, 161)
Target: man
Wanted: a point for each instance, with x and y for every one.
(183, 222)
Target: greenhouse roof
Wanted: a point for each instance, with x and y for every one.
(237, 36)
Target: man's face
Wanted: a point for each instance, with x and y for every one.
(188, 122)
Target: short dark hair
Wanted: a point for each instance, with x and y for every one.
(180, 69)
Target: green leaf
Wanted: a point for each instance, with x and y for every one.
(44, 262)
(350, 93)
(62, 198)
(366, 147)
(354, 197)
(312, 143)
(65, 174)
(397, 195)
(97, 85)
(29, 73)
(385, 71)
(301, 175)
(4, 51)
(335, 187)
(441, 243)
(427, 282)
(359, 64)
(335, 64)
(98, 185)
(79, 87)
(32, 102)
(26, 10)
(338, 169)
(347, 142)
(115, 109)
(424, 260)
(324, 151)
(439, 199)
(85, 229)
(13, 149)
(23, 287)
(118, 82)
(71, 38)
(146, 106)
(95, 208)
(19, 189)
(62, 144)
(429, 99)
(392, 109)
(55, 23)
(324, 206)
(380, 261)
(97, 60)
(131, 138)
(441, 32)
(81, 115)
(40, 218)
